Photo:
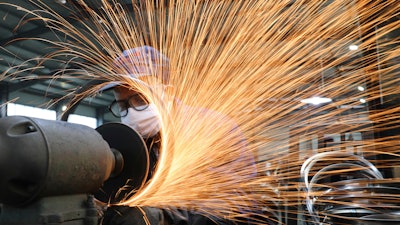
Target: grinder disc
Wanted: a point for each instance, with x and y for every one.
(135, 162)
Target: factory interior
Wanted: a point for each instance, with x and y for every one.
(37, 95)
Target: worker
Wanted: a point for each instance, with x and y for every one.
(137, 112)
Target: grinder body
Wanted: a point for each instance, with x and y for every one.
(52, 171)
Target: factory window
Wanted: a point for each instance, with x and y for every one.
(84, 120)
(23, 110)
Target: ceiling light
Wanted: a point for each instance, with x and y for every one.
(361, 88)
(353, 47)
(362, 100)
(316, 100)
(63, 108)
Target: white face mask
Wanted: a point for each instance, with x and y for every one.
(145, 122)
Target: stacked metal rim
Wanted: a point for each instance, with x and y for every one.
(362, 202)
(344, 189)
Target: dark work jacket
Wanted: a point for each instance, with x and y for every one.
(153, 147)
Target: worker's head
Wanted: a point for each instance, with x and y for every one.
(143, 65)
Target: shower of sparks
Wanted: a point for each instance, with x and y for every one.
(251, 63)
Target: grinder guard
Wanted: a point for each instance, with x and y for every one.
(135, 167)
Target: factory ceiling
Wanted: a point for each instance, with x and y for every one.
(20, 49)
